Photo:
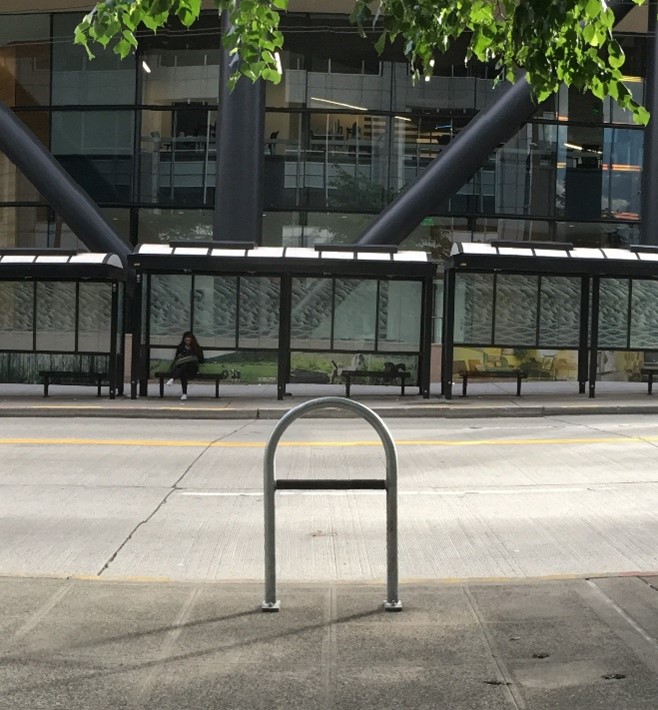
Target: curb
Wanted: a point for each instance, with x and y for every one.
(441, 411)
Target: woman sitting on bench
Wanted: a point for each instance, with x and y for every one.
(189, 355)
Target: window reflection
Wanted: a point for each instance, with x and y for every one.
(178, 155)
(613, 313)
(215, 310)
(355, 314)
(16, 315)
(516, 310)
(644, 314)
(30, 227)
(95, 317)
(398, 326)
(96, 148)
(170, 308)
(258, 308)
(55, 316)
(78, 80)
(473, 308)
(25, 60)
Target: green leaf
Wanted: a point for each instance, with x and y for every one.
(480, 45)
(188, 11)
(553, 40)
(122, 48)
(593, 9)
(616, 56)
(641, 116)
(271, 75)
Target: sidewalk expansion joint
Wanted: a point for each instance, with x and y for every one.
(622, 623)
(508, 687)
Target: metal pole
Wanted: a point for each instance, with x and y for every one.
(240, 156)
(427, 309)
(459, 160)
(135, 350)
(448, 330)
(649, 206)
(584, 328)
(392, 602)
(68, 199)
(114, 329)
(594, 334)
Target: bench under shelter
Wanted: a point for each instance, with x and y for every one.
(507, 300)
(284, 315)
(61, 318)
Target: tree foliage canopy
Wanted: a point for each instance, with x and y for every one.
(554, 41)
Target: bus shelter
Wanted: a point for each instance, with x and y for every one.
(61, 311)
(529, 304)
(283, 315)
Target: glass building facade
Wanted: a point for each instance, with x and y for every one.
(345, 131)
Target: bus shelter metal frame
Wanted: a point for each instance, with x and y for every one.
(390, 484)
(590, 265)
(283, 263)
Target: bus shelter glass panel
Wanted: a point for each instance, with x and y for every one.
(398, 326)
(311, 313)
(473, 308)
(613, 313)
(55, 326)
(355, 314)
(215, 310)
(258, 312)
(170, 308)
(516, 310)
(559, 312)
(95, 317)
(644, 315)
(16, 315)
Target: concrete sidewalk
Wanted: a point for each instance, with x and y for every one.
(545, 644)
(485, 399)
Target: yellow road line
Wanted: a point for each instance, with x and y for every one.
(328, 444)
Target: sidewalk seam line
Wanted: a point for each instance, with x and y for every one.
(510, 688)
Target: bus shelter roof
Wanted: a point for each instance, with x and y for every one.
(554, 258)
(59, 265)
(240, 258)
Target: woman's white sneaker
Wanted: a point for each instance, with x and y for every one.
(170, 382)
(183, 397)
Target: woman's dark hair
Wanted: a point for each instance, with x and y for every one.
(196, 348)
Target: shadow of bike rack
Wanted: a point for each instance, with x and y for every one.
(389, 484)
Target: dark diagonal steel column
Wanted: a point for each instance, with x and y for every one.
(453, 167)
(460, 160)
(649, 204)
(70, 201)
(240, 157)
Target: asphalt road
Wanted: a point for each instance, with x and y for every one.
(499, 498)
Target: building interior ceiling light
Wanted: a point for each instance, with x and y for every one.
(338, 103)
(573, 146)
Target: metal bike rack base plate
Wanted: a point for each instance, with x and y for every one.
(393, 606)
(390, 485)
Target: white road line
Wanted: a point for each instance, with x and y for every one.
(465, 492)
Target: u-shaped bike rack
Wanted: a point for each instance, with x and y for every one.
(389, 484)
